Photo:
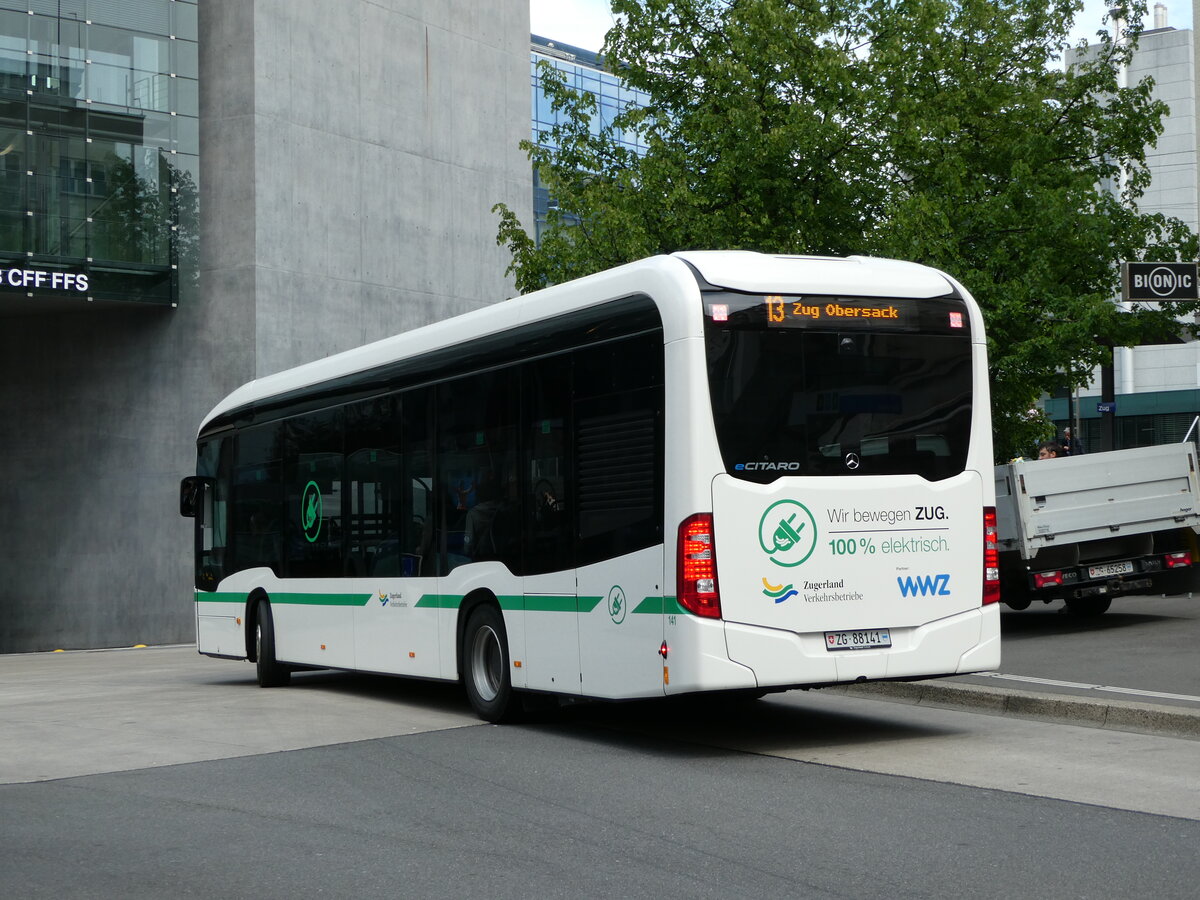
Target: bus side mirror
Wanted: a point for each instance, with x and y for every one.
(190, 490)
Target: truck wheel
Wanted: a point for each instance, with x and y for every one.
(1089, 606)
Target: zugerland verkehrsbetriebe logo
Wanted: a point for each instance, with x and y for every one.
(787, 533)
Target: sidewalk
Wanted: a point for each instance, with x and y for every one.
(89, 711)
(1135, 668)
(1096, 711)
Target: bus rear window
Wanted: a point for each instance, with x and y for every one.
(839, 386)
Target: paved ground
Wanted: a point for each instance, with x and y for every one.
(1146, 644)
(1136, 668)
(576, 808)
(83, 712)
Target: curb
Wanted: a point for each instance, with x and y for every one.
(1118, 715)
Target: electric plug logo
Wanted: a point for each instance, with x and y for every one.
(787, 533)
(310, 511)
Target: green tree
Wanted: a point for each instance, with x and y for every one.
(941, 131)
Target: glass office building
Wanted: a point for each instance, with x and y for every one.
(585, 72)
(99, 144)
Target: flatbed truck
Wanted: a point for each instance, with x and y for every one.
(1088, 528)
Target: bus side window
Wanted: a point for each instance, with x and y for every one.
(257, 508)
(215, 463)
(418, 549)
(477, 442)
(618, 453)
(373, 488)
(548, 510)
(312, 480)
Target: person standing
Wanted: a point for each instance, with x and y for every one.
(1069, 445)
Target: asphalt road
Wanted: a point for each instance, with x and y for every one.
(567, 810)
(151, 773)
(1147, 644)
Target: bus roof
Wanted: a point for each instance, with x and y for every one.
(660, 277)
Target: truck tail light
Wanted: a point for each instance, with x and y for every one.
(1178, 560)
(696, 581)
(991, 557)
(1047, 579)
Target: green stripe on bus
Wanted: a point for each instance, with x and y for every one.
(296, 599)
(652, 606)
(655, 606)
(323, 599)
(517, 602)
(439, 601)
(660, 606)
(219, 597)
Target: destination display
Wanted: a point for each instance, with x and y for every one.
(945, 315)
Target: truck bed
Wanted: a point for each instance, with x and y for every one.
(1043, 504)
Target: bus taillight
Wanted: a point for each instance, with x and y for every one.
(991, 557)
(697, 568)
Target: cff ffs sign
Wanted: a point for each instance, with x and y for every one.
(44, 279)
(1159, 281)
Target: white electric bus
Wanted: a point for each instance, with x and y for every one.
(711, 471)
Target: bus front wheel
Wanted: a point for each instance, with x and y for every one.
(270, 672)
(486, 665)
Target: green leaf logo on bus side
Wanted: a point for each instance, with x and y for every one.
(787, 533)
(310, 511)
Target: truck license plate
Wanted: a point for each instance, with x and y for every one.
(863, 639)
(1106, 569)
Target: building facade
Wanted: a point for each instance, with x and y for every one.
(584, 72)
(1157, 388)
(231, 187)
(99, 144)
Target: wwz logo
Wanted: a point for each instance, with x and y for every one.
(924, 585)
(787, 533)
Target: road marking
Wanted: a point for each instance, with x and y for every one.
(1050, 682)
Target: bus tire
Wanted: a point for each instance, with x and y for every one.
(271, 673)
(1089, 606)
(485, 665)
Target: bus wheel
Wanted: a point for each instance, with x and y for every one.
(270, 672)
(485, 665)
(1089, 606)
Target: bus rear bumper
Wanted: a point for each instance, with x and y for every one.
(966, 642)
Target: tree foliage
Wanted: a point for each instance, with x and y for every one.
(940, 131)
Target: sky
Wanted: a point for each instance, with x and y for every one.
(584, 22)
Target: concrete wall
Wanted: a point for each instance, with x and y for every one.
(383, 136)
(350, 154)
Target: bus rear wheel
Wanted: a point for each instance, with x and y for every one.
(486, 666)
(270, 672)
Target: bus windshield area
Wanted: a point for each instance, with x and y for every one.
(839, 386)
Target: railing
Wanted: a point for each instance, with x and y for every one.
(1191, 428)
